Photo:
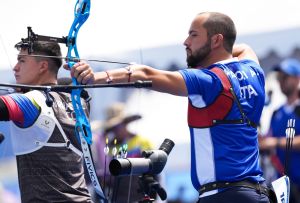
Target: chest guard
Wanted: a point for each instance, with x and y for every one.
(34, 137)
(25, 139)
(215, 112)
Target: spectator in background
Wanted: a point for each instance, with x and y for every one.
(288, 78)
(114, 127)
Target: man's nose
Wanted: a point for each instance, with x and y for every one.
(187, 42)
(16, 67)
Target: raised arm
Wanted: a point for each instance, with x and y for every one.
(170, 82)
(243, 51)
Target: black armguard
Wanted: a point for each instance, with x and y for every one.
(4, 114)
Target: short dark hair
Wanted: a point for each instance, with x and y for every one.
(219, 23)
(46, 49)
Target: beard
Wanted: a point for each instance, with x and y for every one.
(288, 91)
(199, 56)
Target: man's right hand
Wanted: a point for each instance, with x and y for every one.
(82, 72)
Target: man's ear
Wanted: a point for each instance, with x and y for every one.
(217, 41)
(44, 66)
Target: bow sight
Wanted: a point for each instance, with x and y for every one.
(32, 37)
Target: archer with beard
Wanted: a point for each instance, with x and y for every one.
(224, 84)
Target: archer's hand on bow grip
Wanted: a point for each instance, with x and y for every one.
(82, 71)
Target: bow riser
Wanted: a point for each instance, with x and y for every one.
(81, 14)
(82, 126)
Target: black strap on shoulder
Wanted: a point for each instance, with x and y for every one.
(235, 121)
(244, 118)
(226, 83)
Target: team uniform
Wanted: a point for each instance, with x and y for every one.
(49, 160)
(277, 129)
(224, 145)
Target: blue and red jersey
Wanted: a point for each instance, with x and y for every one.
(226, 152)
